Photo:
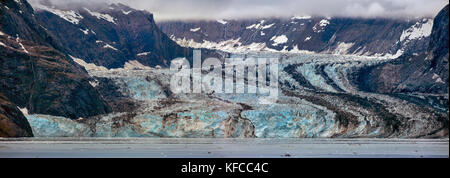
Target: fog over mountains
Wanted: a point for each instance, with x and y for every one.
(246, 9)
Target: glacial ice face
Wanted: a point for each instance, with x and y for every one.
(52, 126)
(140, 89)
(284, 121)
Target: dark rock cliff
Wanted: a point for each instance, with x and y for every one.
(12, 121)
(35, 75)
(426, 72)
(325, 35)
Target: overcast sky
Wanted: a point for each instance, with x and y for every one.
(235, 9)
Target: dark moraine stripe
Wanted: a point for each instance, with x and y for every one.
(320, 70)
(291, 70)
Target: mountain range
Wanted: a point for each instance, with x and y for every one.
(44, 51)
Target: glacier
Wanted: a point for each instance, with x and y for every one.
(318, 98)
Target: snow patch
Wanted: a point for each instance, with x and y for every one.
(23, 110)
(223, 22)
(320, 27)
(86, 32)
(88, 66)
(94, 83)
(143, 54)
(70, 15)
(195, 29)
(308, 38)
(437, 79)
(232, 45)
(3, 44)
(260, 26)
(110, 47)
(279, 40)
(134, 65)
(21, 45)
(301, 17)
(418, 30)
(106, 17)
(126, 12)
(342, 48)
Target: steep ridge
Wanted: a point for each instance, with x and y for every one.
(109, 35)
(425, 72)
(35, 75)
(378, 37)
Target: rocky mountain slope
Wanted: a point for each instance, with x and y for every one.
(425, 72)
(379, 37)
(35, 75)
(109, 35)
(12, 122)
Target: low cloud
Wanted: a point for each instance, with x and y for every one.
(238, 9)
